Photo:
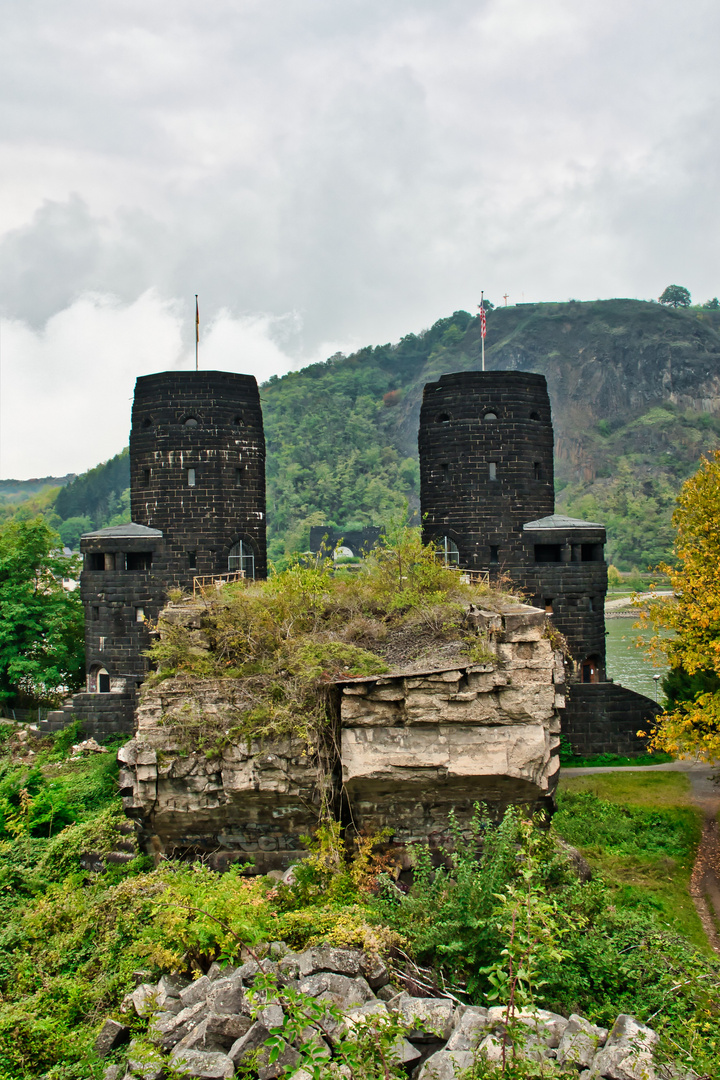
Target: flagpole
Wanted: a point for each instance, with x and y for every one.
(197, 330)
(482, 327)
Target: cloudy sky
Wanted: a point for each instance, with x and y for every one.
(326, 174)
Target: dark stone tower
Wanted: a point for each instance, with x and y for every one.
(197, 498)
(486, 463)
(197, 471)
(487, 500)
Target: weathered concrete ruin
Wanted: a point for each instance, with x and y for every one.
(404, 750)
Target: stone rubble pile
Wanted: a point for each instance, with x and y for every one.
(210, 1028)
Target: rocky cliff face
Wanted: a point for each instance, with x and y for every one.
(610, 360)
(403, 750)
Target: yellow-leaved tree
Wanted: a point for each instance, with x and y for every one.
(693, 726)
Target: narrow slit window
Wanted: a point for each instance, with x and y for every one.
(548, 606)
(140, 614)
(146, 478)
(191, 477)
(494, 553)
(95, 614)
(239, 476)
(444, 472)
(537, 470)
(492, 470)
(192, 560)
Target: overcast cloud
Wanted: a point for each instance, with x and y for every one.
(326, 174)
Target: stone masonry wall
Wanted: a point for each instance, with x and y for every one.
(247, 801)
(412, 746)
(416, 746)
(604, 718)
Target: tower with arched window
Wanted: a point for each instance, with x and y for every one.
(197, 472)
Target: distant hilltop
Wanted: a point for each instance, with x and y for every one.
(635, 394)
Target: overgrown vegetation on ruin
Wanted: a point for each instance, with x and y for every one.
(72, 938)
(287, 638)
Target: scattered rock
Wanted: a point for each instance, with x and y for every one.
(144, 999)
(446, 1065)
(337, 989)
(204, 1064)
(225, 1030)
(111, 1035)
(206, 1027)
(226, 996)
(88, 746)
(341, 961)
(427, 1018)
(471, 1025)
(580, 1042)
(196, 991)
(374, 970)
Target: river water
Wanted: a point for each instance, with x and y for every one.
(626, 663)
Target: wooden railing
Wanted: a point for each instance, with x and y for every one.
(472, 577)
(216, 581)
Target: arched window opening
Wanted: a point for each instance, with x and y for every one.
(191, 421)
(242, 557)
(147, 422)
(238, 420)
(448, 551)
(490, 416)
(98, 680)
(590, 670)
(442, 418)
(534, 416)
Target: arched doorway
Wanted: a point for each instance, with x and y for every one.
(98, 680)
(242, 557)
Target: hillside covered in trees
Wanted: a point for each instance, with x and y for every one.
(635, 391)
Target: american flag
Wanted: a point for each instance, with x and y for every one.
(483, 328)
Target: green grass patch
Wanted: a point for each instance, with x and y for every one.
(641, 832)
(576, 761)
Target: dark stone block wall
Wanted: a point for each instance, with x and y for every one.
(206, 427)
(103, 716)
(576, 592)
(114, 597)
(459, 444)
(604, 718)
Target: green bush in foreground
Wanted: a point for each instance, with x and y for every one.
(70, 939)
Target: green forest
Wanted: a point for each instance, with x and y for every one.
(634, 390)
